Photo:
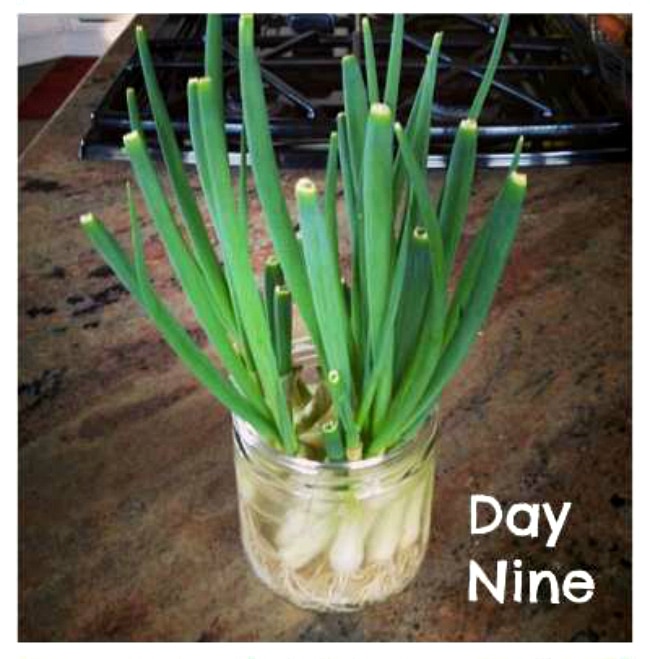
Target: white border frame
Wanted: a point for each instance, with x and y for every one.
(639, 649)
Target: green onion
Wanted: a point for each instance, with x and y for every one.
(391, 90)
(457, 188)
(333, 442)
(209, 142)
(488, 77)
(357, 305)
(134, 112)
(415, 298)
(213, 60)
(178, 339)
(391, 333)
(378, 219)
(272, 277)
(355, 101)
(371, 65)
(267, 176)
(282, 326)
(339, 391)
(331, 184)
(418, 127)
(325, 281)
(187, 204)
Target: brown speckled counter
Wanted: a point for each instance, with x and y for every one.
(127, 496)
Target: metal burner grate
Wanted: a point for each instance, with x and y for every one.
(550, 86)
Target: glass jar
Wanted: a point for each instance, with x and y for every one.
(334, 536)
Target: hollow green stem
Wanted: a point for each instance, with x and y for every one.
(133, 110)
(272, 277)
(340, 399)
(333, 441)
(282, 324)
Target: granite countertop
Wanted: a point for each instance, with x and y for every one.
(128, 515)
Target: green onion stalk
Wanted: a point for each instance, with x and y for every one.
(389, 331)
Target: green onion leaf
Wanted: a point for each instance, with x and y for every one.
(333, 442)
(378, 218)
(371, 64)
(325, 281)
(189, 209)
(415, 299)
(338, 391)
(213, 58)
(331, 184)
(282, 325)
(178, 339)
(430, 343)
(267, 177)
(391, 90)
(184, 264)
(355, 102)
(208, 138)
(272, 277)
(503, 227)
(467, 280)
(458, 188)
(134, 112)
(355, 219)
(488, 76)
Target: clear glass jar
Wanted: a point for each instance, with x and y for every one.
(334, 536)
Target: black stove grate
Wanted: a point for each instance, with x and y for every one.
(550, 86)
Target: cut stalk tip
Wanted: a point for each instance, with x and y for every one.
(131, 137)
(420, 233)
(87, 218)
(380, 111)
(273, 261)
(204, 82)
(334, 377)
(305, 187)
(519, 179)
(354, 453)
(468, 125)
(330, 427)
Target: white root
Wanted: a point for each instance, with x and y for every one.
(317, 586)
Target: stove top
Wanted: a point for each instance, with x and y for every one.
(554, 85)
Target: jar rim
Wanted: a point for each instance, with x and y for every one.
(253, 440)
